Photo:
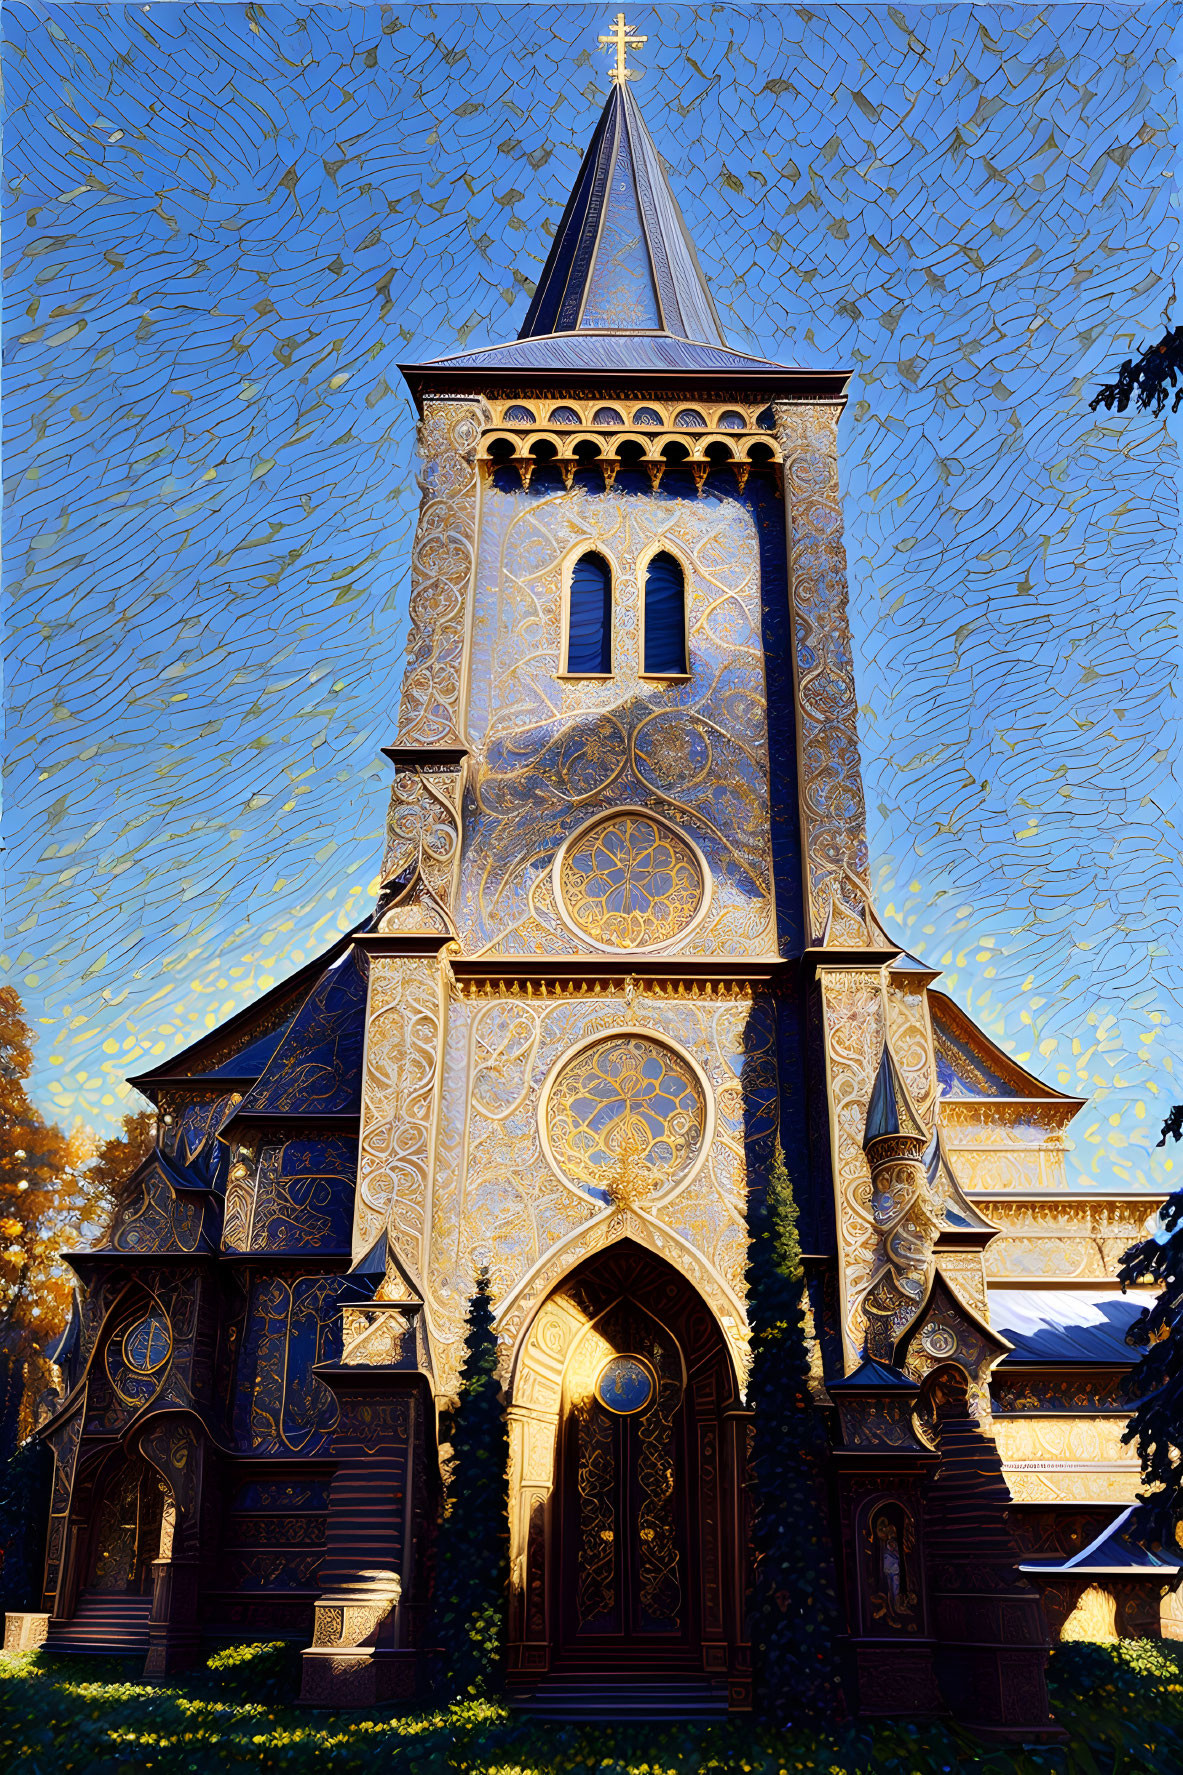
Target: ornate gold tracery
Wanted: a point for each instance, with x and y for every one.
(630, 882)
(625, 1119)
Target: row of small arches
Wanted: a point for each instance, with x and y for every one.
(589, 618)
(687, 419)
(626, 450)
(548, 456)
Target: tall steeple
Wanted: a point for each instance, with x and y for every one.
(622, 260)
(622, 292)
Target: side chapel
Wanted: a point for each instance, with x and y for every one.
(625, 941)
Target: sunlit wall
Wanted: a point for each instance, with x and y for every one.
(227, 225)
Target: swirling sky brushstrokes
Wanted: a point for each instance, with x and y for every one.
(227, 225)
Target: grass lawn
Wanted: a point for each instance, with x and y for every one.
(1123, 1705)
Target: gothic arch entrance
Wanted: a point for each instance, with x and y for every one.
(628, 1438)
(132, 1518)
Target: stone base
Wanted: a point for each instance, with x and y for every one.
(23, 1632)
(171, 1649)
(739, 1677)
(528, 1658)
(361, 1676)
(894, 1677)
(999, 1692)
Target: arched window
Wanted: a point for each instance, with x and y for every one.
(589, 623)
(665, 617)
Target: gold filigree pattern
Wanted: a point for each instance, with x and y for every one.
(1076, 1485)
(496, 1198)
(1064, 1237)
(625, 1119)
(630, 882)
(373, 1334)
(551, 753)
(423, 826)
(441, 567)
(660, 1582)
(1056, 1440)
(852, 1008)
(399, 1088)
(831, 786)
(596, 1482)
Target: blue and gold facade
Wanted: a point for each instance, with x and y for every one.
(625, 942)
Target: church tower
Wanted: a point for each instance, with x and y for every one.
(625, 943)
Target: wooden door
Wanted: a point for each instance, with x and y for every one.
(623, 1580)
(126, 1535)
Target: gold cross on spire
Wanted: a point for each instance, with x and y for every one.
(622, 38)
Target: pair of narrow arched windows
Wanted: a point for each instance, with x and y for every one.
(589, 618)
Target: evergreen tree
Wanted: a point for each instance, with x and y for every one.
(1157, 1380)
(472, 1570)
(795, 1613)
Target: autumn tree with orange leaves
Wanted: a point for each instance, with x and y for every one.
(56, 1194)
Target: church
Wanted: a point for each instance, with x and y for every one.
(625, 945)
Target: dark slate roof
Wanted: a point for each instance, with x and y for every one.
(622, 260)
(883, 1111)
(316, 1068)
(1066, 1324)
(248, 1053)
(603, 351)
(250, 1061)
(873, 1373)
(622, 291)
(1118, 1548)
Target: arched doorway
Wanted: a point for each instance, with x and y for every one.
(628, 1446)
(126, 1515)
(128, 1528)
(624, 1505)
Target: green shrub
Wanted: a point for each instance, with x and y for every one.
(269, 1672)
(74, 1716)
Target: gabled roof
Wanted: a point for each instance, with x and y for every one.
(316, 1066)
(969, 1064)
(660, 353)
(241, 1047)
(872, 1373)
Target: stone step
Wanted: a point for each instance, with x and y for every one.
(594, 1698)
(104, 1624)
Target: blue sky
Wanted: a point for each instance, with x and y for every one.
(225, 228)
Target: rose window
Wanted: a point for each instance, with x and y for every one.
(630, 882)
(625, 1119)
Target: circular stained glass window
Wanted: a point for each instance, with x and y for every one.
(630, 882)
(148, 1344)
(625, 1119)
(626, 1385)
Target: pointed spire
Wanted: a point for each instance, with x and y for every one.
(889, 1110)
(622, 261)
